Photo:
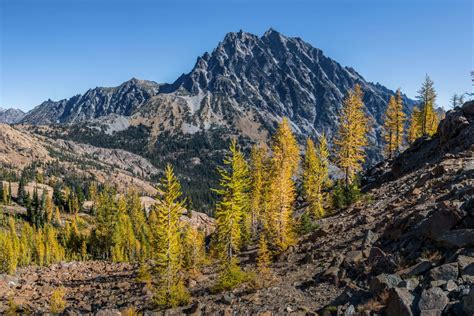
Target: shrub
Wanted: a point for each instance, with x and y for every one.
(230, 277)
(57, 304)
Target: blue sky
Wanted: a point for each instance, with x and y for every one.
(56, 49)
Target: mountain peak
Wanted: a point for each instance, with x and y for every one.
(271, 32)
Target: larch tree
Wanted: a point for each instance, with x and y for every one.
(427, 98)
(315, 176)
(351, 138)
(393, 125)
(264, 257)
(284, 165)
(233, 203)
(414, 130)
(170, 290)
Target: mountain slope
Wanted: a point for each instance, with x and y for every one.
(122, 100)
(405, 249)
(11, 116)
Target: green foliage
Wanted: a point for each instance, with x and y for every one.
(233, 203)
(306, 224)
(57, 304)
(344, 196)
(230, 277)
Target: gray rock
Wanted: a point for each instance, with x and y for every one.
(459, 238)
(466, 268)
(369, 239)
(445, 272)
(432, 302)
(417, 269)
(409, 284)
(400, 302)
(450, 286)
(384, 282)
(468, 303)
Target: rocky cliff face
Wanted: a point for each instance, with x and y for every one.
(122, 100)
(11, 116)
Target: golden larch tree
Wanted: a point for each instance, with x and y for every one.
(284, 164)
(315, 176)
(351, 138)
(170, 290)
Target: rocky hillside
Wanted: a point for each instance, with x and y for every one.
(407, 248)
(11, 116)
(20, 148)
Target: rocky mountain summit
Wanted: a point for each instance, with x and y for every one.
(245, 86)
(11, 116)
(407, 248)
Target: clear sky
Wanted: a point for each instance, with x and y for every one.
(58, 48)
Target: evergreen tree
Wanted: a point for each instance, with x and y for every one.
(170, 289)
(351, 138)
(427, 97)
(9, 194)
(393, 125)
(315, 176)
(21, 195)
(233, 203)
(284, 164)
(3, 193)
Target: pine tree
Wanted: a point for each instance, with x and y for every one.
(3, 193)
(9, 194)
(393, 125)
(315, 176)
(414, 130)
(427, 97)
(233, 203)
(170, 290)
(351, 137)
(284, 164)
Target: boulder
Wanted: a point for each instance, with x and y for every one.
(438, 222)
(467, 303)
(466, 268)
(409, 284)
(384, 282)
(445, 272)
(459, 238)
(415, 270)
(432, 302)
(400, 302)
(369, 239)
